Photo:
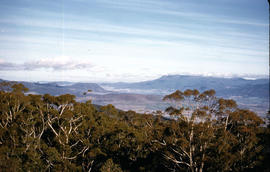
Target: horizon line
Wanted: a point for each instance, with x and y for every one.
(209, 75)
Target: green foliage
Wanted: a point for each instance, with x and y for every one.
(56, 133)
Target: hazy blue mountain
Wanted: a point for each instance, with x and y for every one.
(248, 90)
(250, 94)
(55, 89)
(58, 88)
(223, 86)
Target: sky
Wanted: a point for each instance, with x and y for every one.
(132, 40)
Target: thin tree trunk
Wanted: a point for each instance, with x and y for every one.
(191, 149)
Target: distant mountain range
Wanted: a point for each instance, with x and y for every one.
(147, 96)
(223, 86)
(58, 88)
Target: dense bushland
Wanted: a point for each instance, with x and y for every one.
(56, 133)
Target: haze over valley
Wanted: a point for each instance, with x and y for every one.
(146, 97)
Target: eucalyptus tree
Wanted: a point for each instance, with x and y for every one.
(207, 127)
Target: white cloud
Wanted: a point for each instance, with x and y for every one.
(57, 64)
(5, 66)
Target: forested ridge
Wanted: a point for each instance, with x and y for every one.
(56, 133)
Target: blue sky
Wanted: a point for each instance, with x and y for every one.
(132, 40)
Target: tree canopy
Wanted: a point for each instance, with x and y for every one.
(57, 133)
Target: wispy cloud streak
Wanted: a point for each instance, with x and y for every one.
(167, 8)
(52, 64)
